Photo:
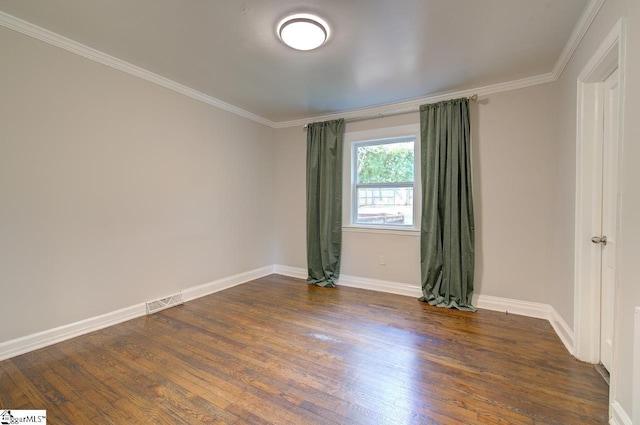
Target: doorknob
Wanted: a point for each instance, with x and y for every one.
(598, 239)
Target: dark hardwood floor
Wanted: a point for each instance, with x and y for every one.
(277, 351)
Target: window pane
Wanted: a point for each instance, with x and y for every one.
(385, 163)
(386, 205)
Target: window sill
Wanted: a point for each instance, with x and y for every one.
(407, 231)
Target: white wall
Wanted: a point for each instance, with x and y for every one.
(290, 202)
(628, 266)
(513, 137)
(115, 191)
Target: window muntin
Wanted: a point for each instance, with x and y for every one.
(383, 182)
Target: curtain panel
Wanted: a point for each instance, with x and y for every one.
(447, 236)
(324, 201)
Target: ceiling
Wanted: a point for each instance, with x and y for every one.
(380, 51)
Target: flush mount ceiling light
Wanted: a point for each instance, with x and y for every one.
(303, 31)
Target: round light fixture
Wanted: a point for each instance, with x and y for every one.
(303, 31)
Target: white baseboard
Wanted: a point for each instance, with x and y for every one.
(618, 415)
(358, 282)
(529, 309)
(297, 272)
(225, 283)
(563, 330)
(508, 305)
(35, 341)
(635, 389)
(42, 339)
(485, 302)
(380, 285)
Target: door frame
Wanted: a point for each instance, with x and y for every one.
(589, 140)
(610, 204)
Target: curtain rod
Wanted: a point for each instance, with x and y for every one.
(390, 113)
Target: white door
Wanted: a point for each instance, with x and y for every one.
(609, 204)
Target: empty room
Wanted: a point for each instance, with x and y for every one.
(320, 212)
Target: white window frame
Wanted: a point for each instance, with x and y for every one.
(349, 208)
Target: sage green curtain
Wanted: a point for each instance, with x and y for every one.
(447, 232)
(324, 201)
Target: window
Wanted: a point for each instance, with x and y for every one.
(383, 178)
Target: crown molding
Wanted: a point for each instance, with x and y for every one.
(39, 33)
(584, 22)
(413, 105)
(587, 17)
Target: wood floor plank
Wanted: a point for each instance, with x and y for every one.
(277, 351)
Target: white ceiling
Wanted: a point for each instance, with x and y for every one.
(380, 51)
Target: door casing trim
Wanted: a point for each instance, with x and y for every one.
(589, 138)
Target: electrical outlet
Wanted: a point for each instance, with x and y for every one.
(382, 260)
